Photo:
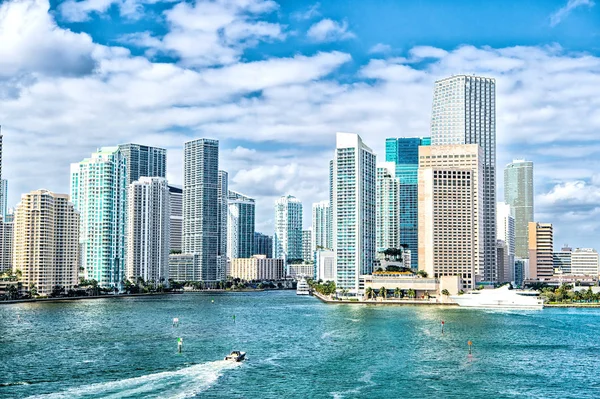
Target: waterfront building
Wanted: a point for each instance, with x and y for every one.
(148, 230)
(297, 270)
(258, 267)
(464, 112)
(518, 193)
(287, 240)
(99, 193)
(201, 211)
(450, 212)
(176, 222)
(3, 198)
(521, 270)
(6, 246)
(404, 153)
(222, 210)
(263, 245)
(185, 267)
(505, 225)
(144, 161)
(541, 245)
(354, 214)
(321, 226)
(46, 241)
(388, 208)
(584, 261)
(324, 267)
(506, 264)
(307, 253)
(423, 287)
(561, 261)
(240, 226)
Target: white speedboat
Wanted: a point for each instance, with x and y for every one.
(302, 288)
(499, 298)
(236, 356)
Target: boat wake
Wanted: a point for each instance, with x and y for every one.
(180, 384)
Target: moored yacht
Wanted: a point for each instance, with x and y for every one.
(302, 288)
(499, 298)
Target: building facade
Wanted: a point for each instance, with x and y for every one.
(222, 210)
(99, 193)
(46, 241)
(354, 210)
(6, 246)
(464, 112)
(562, 260)
(307, 253)
(325, 265)
(505, 225)
(184, 267)
(388, 207)
(450, 212)
(176, 222)
(144, 161)
(321, 226)
(3, 198)
(148, 230)
(518, 193)
(258, 267)
(584, 261)
(240, 226)
(541, 248)
(263, 245)
(287, 240)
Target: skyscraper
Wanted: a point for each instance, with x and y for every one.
(505, 224)
(464, 112)
(541, 244)
(148, 229)
(6, 245)
(518, 193)
(176, 224)
(222, 209)
(287, 240)
(353, 206)
(3, 197)
(388, 207)
(307, 253)
(450, 182)
(201, 211)
(46, 242)
(404, 153)
(263, 245)
(144, 161)
(99, 193)
(321, 225)
(240, 226)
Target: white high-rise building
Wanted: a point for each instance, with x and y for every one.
(6, 245)
(148, 230)
(325, 265)
(3, 197)
(222, 209)
(176, 225)
(307, 253)
(388, 207)
(321, 226)
(287, 241)
(584, 261)
(464, 112)
(354, 216)
(240, 226)
(506, 232)
(201, 210)
(450, 212)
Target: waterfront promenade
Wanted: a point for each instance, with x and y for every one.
(379, 301)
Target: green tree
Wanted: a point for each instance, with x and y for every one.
(397, 293)
(422, 273)
(383, 292)
(33, 290)
(411, 293)
(445, 292)
(369, 292)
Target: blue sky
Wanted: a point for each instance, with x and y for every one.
(274, 80)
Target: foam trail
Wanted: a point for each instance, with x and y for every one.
(180, 384)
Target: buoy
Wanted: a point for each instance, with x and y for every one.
(470, 348)
(234, 318)
(212, 301)
(179, 344)
(176, 322)
(442, 326)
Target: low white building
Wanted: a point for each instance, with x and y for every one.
(584, 261)
(325, 265)
(258, 267)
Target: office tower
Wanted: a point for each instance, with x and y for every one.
(388, 207)
(99, 193)
(505, 224)
(353, 206)
(6, 245)
(263, 245)
(450, 216)
(176, 223)
(1, 152)
(46, 242)
(518, 193)
(307, 253)
(404, 153)
(185, 267)
(3, 197)
(287, 240)
(257, 267)
(464, 112)
(505, 269)
(540, 251)
(222, 209)
(321, 225)
(325, 265)
(240, 226)
(584, 261)
(521, 269)
(148, 229)
(144, 161)
(561, 260)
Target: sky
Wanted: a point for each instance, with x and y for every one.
(274, 81)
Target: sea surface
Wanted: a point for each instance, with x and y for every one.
(297, 347)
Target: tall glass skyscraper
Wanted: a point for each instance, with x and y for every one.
(518, 193)
(321, 226)
(263, 245)
(240, 226)
(144, 161)
(388, 207)
(464, 112)
(99, 193)
(287, 240)
(404, 152)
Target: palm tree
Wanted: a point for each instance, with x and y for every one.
(411, 293)
(397, 293)
(445, 292)
(369, 292)
(383, 292)
(33, 290)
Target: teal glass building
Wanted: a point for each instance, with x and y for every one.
(404, 152)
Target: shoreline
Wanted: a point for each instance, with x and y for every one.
(398, 302)
(79, 298)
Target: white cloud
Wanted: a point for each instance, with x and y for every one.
(380, 48)
(563, 12)
(428, 52)
(327, 30)
(80, 10)
(310, 13)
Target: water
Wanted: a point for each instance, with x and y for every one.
(297, 348)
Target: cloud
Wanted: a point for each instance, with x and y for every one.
(327, 30)
(79, 11)
(563, 12)
(310, 13)
(427, 52)
(380, 48)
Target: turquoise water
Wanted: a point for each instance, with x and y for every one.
(297, 348)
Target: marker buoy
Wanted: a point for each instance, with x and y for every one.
(176, 322)
(442, 326)
(470, 348)
(179, 344)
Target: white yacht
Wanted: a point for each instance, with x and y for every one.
(499, 298)
(302, 288)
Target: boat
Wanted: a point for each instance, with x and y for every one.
(236, 356)
(499, 298)
(302, 288)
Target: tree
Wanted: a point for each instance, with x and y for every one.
(411, 293)
(397, 293)
(422, 273)
(383, 292)
(33, 290)
(12, 292)
(369, 292)
(461, 292)
(445, 292)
